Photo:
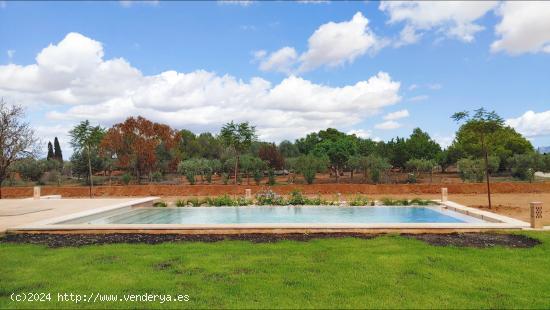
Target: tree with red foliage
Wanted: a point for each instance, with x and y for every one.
(269, 153)
(135, 141)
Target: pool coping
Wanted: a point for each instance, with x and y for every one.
(493, 222)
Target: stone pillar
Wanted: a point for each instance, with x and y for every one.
(536, 215)
(248, 193)
(443, 194)
(36, 192)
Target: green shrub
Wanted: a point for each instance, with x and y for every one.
(296, 198)
(317, 201)
(241, 201)
(221, 201)
(258, 175)
(160, 204)
(180, 203)
(411, 178)
(406, 202)
(309, 165)
(421, 202)
(157, 176)
(269, 197)
(190, 178)
(208, 176)
(523, 166)
(271, 177)
(193, 202)
(474, 169)
(126, 178)
(359, 201)
(225, 178)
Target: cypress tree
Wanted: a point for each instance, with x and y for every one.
(50, 151)
(57, 150)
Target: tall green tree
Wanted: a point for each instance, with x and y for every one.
(481, 126)
(50, 151)
(57, 154)
(239, 137)
(338, 151)
(86, 138)
(288, 149)
(421, 146)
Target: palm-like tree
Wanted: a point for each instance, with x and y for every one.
(85, 137)
(239, 137)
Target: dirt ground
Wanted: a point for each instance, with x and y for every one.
(477, 240)
(329, 189)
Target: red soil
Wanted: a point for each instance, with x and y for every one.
(323, 189)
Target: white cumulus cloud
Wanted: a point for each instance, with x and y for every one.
(532, 124)
(455, 19)
(75, 82)
(332, 44)
(396, 115)
(388, 125)
(524, 27)
(282, 60)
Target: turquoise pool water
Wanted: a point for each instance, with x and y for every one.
(274, 215)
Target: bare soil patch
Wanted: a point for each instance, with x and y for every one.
(314, 189)
(477, 240)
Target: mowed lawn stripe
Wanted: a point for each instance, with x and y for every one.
(385, 272)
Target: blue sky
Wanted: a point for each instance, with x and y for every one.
(222, 64)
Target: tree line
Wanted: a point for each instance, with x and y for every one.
(144, 150)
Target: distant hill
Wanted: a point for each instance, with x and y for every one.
(544, 149)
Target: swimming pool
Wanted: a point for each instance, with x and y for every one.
(276, 215)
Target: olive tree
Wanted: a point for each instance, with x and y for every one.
(372, 166)
(421, 165)
(310, 165)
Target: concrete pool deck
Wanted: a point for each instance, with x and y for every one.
(19, 212)
(43, 216)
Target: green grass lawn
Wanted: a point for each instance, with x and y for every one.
(385, 272)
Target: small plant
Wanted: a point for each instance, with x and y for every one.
(225, 178)
(317, 201)
(241, 201)
(411, 178)
(190, 178)
(359, 201)
(208, 176)
(421, 202)
(157, 176)
(296, 198)
(389, 202)
(126, 178)
(160, 204)
(193, 202)
(271, 177)
(406, 202)
(258, 175)
(269, 197)
(180, 203)
(221, 201)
